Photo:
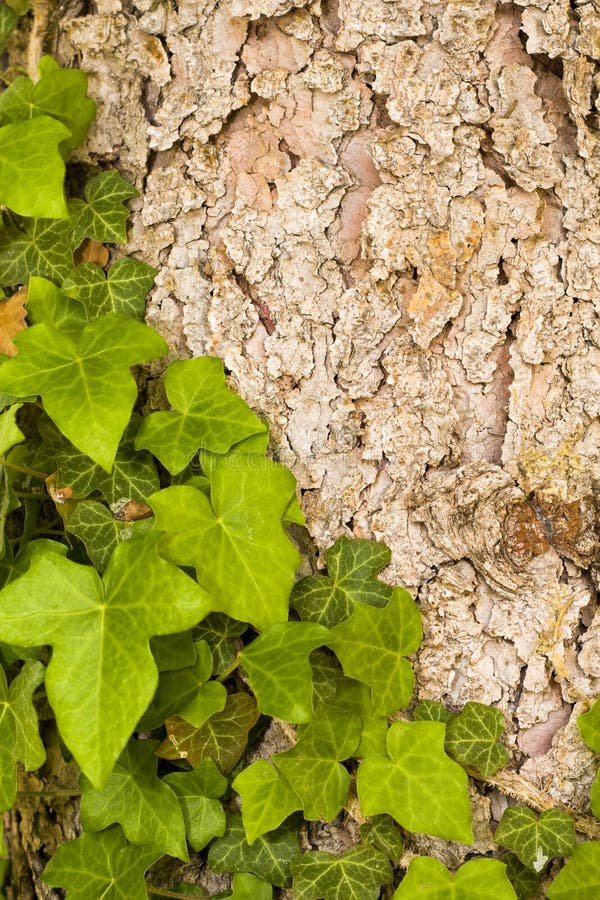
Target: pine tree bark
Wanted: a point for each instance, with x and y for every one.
(384, 216)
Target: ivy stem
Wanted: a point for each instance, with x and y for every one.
(57, 792)
(33, 472)
(164, 893)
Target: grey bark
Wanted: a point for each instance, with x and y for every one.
(383, 216)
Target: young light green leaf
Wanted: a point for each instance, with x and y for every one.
(32, 171)
(35, 247)
(417, 783)
(249, 887)
(580, 878)
(279, 672)
(354, 697)
(222, 636)
(313, 765)
(132, 477)
(144, 806)
(589, 727)
(101, 867)
(48, 304)
(197, 793)
(235, 539)
(11, 568)
(100, 632)
(222, 737)
(19, 738)
(59, 94)
(535, 840)
(432, 711)
(10, 433)
(94, 525)
(428, 879)
(123, 290)
(472, 739)
(371, 646)
(357, 874)
(186, 692)
(270, 857)
(267, 798)
(383, 834)
(103, 215)
(595, 796)
(351, 569)
(86, 385)
(206, 415)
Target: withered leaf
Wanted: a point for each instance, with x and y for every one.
(12, 321)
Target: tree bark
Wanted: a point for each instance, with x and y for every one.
(383, 216)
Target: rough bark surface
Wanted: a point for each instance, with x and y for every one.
(384, 216)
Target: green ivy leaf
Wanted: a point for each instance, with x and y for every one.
(270, 857)
(86, 386)
(197, 793)
(103, 215)
(383, 834)
(99, 631)
(313, 765)
(10, 433)
(186, 692)
(206, 415)
(173, 651)
(580, 878)
(595, 796)
(351, 569)
(417, 783)
(8, 20)
(101, 867)
(525, 882)
(279, 671)
(222, 636)
(432, 711)
(49, 305)
(472, 739)
(59, 94)
(354, 697)
(267, 798)
(222, 737)
(37, 247)
(19, 738)
(144, 806)
(536, 840)
(371, 646)
(249, 887)
(11, 568)
(123, 290)
(100, 532)
(428, 879)
(32, 171)
(132, 477)
(235, 539)
(357, 874)
(589, 727)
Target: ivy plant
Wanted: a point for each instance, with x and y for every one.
(150, 606)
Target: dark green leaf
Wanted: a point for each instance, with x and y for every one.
(535, 840)
(35, 247)
(580, 878)
(32, 171)
(222, 636)
(222, 737)
(145, 807)
(235, 540)
(8, 20)
(104, 214)
(479, 879)
(101, 867)
(270, 856)
(472, 739)
(351, 569)
(371, 646)
(432, 711)
(173, 651)
(417, 783)
(279, 671)
(94, 525)
(197, 794)
(524, 881)
(19, 738)
(87, 387)
(100, 633)
(356, 875)
(206, 415)
(123, 290)
(382, 833)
